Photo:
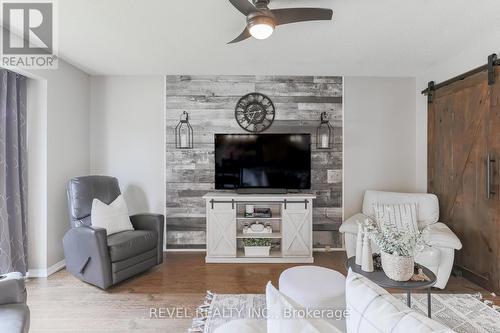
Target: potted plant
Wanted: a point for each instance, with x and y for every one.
(397, 249)
(257, 247)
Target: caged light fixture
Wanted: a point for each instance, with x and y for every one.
(324, 133)
(184, 133)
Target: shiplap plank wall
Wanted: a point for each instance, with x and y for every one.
(210, 102)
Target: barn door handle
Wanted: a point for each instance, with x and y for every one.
(489, 176)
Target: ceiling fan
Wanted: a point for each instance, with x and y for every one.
(261, 20)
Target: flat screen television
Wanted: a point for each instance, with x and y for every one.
(263, 161)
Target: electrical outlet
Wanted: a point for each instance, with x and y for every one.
(331, 176)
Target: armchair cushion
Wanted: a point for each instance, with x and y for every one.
(12, 288)
(438, 234)
(126, 244)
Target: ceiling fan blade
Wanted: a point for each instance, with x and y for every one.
(244, 6)
(244, 35)
(292, 15)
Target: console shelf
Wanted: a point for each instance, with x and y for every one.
(242, 217)
(291, 223)
(276, 235)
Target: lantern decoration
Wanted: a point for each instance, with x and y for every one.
(324, 133)
(184, 133)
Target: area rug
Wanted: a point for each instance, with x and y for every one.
(463, 313)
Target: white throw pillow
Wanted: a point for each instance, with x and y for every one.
(402, 216)
(372, 309)
(113, 217)
(286, 316)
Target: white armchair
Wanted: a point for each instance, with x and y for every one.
(443, 242)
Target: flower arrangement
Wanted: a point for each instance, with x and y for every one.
(256, 242)
(393, 241)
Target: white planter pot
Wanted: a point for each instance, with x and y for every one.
(257, 251)
(397, 268)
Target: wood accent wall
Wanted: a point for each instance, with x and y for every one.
(210, 102)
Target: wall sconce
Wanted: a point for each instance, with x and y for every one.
(324, 133)
(184, 133)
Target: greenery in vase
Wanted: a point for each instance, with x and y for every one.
(393, 241)
(256, 242)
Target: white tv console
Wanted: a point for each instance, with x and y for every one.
(291, 222)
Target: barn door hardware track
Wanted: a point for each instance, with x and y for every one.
(489, 67)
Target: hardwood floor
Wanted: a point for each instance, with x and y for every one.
(62, 303)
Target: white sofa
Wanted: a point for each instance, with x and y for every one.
(443, 242)
(369, 309)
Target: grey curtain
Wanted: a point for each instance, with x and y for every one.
(13, 173)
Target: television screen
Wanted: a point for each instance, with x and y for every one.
(280, 161)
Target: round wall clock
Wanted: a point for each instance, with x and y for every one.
(254, 112)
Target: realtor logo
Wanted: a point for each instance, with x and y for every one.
(28, 34)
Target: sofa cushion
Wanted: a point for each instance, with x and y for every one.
(14, 318)
(372, 309)
(428, 204)
(126, 244)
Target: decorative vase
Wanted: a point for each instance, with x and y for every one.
(367, 259)
(359, 245)
(397, 268)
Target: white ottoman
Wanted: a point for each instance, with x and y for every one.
(314, 287)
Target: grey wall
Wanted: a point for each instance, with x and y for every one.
(127, 139)
(58, 149)
(379, 135)
(210, 102)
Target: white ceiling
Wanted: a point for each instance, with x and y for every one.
(366, 37)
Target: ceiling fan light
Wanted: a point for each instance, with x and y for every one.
(261, 27)
(261, 31)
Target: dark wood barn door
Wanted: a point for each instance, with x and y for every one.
(463, 161)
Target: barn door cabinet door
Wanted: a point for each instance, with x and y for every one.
(221, 230)
(297, 230)
(463, 159)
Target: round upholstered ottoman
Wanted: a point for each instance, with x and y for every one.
(314, 287)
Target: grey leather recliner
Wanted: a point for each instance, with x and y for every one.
(99, 259)
(14, 313)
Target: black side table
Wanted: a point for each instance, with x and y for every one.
(379, 277)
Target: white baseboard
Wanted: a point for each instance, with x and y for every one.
(41, 272)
